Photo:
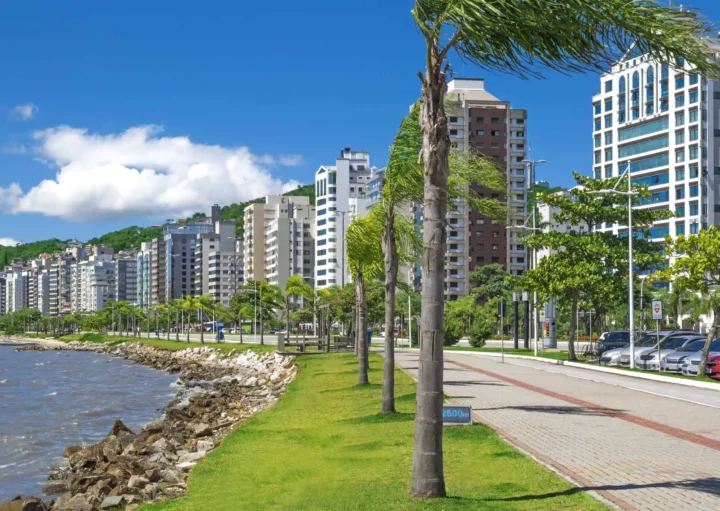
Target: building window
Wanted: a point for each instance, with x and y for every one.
(480, 133)
(608, 105)
(598, 125)
(679, 175)
(694, 153)
(693, 116)
(693, 172)
(694, 228)
(680, 211)
(680, 82)
(680, 156)
(694, 193)
(679, 137)
(693, 97)
(608, 138)
(693, 209)
(693, 134)
(680, 193)
(608, 121)
(608, 86)
(679, 229)
(495, 133)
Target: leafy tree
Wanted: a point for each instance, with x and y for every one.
(695, 267)
(491, 281)
(296, 287)
(586, 265)
(270, 299)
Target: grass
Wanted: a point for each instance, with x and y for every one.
(172, 344)
(324, 446)
(555, 355)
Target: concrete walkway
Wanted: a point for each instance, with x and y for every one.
(640, 445)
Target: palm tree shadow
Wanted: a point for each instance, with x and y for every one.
(709, 485)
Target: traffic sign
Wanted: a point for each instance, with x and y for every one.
(657, 310)
(542, 316)
(516, 297)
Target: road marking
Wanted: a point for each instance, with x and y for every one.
(549, 369)
(628, 417)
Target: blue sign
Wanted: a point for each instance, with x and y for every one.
(457, 414)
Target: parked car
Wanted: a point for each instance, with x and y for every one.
(650, 361)
(673, 362)
(713, 367)
(646, 340)
(691, 364)
(613, 340)
(651, 340)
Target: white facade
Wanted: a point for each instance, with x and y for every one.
(143, 269)
(546, 218)
(94, 282)
(662, 120)
(341, 194)
(15, 290)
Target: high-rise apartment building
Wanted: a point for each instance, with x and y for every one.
(143, 269)
(2, 292)
(16, 289)
(94, 283)
(341, 195)
(663, 121)
(126, 281)
(279, 240)
(481, 122)
(214, 265)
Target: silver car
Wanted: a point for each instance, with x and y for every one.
(650, 342)
(691, 363)
(650, 361)
(673, 362)
(612, 357)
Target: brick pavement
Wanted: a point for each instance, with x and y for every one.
(634, 456)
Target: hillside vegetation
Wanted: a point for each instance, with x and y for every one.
(132, 237)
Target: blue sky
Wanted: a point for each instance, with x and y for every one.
(218, 87)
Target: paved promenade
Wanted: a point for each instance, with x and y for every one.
(640, 445)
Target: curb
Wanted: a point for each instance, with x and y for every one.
(608, 370)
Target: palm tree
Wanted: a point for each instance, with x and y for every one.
(365, 261)
(513, 37)
(404, 185)
(205, 303)
(269, 298)
(192, 304)
(296, 286)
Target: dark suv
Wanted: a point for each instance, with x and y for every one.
(613, 340)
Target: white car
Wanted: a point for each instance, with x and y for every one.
(650, 361)
(691, 363)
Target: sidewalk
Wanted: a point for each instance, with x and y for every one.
(650, 448)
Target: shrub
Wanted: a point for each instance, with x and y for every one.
(480, 331)
(453, 331)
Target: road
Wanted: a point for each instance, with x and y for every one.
(641, 445)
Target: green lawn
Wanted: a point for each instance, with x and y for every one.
(325, 447)
(172, 344)
(555, 355)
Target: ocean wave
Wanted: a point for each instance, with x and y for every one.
(52, 394)
(40, 364)
(2, 382)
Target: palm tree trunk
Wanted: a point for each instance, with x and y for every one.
(391, 272)
(428, 479)
(202, 326)
(573, 329)
(287, 318)
(241, 331)
(713, 334)
(362, 327)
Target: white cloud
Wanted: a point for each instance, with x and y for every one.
(8, 242)
(138, 173)
(291, 160)
(24, 112)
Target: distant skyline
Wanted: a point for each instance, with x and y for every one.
(114, 115)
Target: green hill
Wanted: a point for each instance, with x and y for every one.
(132, 237)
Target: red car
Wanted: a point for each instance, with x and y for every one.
(713, 367)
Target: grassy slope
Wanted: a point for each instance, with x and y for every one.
(325, 447)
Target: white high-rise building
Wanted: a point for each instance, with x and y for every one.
(663, 120)
(279, 239)
(16, 289)
(94, 283)
(341, 194)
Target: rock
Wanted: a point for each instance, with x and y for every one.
(112, 502)
(186, 466)
(68, 503)
(33, 504)
(119, 427)
(137, 482)
(205, 445)
(69, 451)
(202, 430)
(191, 457)
(132, 507)
(161, 446)
(153, 475)
(262, 381)
(172, 476)
(250, 382)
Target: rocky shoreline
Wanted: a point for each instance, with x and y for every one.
(217, 390)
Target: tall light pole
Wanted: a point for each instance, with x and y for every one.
(342, 247)
(643, 278)
(532, 164)
(631, 305)
(409, 312)
(535, 307)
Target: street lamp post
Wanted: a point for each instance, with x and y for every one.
(535, 304)
(342, 247)
(631, 305)
(409, 313)
(532, 164)
(643, 278)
